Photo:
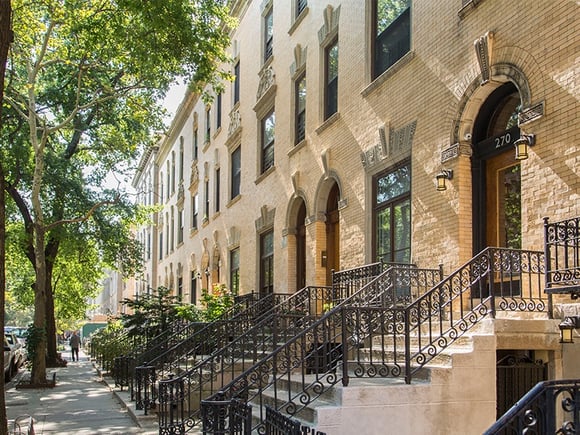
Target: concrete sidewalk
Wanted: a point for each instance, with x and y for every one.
(82, 403)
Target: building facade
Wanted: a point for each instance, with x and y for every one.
(327, 150)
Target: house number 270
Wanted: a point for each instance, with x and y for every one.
(503, 140)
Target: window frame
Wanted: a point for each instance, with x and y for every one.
(235, 270)
(267, 156)
(268, 33)
(299, 115)
(266, 263)
(391, 204)
(235, 172)
(330, 84)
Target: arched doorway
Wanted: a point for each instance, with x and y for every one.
(332, 233)
(301, 247)
(496, 172)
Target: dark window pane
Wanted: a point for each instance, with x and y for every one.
(268, 126)
(393, 33)
(393, 184)
(236, 172)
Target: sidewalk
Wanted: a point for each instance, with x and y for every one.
(82, 403)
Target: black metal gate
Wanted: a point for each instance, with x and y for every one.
(517, 373)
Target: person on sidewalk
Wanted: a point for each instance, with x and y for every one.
(75, 342)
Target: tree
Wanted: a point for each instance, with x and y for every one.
(82, 85)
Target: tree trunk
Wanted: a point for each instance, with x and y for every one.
(51, 351)
(38, 372)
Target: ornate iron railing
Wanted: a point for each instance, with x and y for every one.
(185, 346)
(242, 352)
(551, 407)
(317, 357)
(562, 254)
(385, 336)
(230, 417)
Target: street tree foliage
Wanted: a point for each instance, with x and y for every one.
(82, 85)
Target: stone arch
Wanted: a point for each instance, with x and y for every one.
(475, 94)
(323, 189)
(293, 207)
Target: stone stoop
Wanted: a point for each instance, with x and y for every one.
(457, 397)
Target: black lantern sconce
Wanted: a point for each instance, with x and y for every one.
(522, 144)
(567, 327)
(441, 177)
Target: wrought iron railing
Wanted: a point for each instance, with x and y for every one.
(190, 344)
(551, 407)
(186, 391)
(391, 338)
(230, 417)
(562, 254)
(309, 363)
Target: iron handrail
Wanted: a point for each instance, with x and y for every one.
(537, 410)
(408, 336)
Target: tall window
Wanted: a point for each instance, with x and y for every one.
(172, 229)
(331, 82)
(300, 96)
(217, 190)
(300, 6)
(268, 33)
(267, 262)
(206, 196)
(161, 187)
(193, 290)
(392, 215)
(181, 160)
(237, 82)
(235, 271)
(194, 211)
(180, 287)
(195, 144)
(236, 175)
(168, 180)
(180, 217)
(392, 33)
(172, 172)
(207, 125)
(219, 111)
(268, 125)
(161, 245)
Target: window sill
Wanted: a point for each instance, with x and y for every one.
(297, 147)
(298, 20)
(233, 201)
(388, 73)
(468, 7)
(265, 174)
(331, 120)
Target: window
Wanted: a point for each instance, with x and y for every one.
(206, 196)
(219, 111)
(300, 6)
(331, 82)
(194, 211)
(237, 82)
(207, 124)
(193, 291)
(235, 271)
(181, 160)
(300, 97)
(180, 287)
(195, 144)
(392, 33)
(161, 245)
(172, 172)
(172, 229)
(392, 215)
(168, 178)
(268, 124)
(180, 217)
(161, 187)
(217, 190)
(267, 263)
(167, 234)
(268, 33)
(236, 172)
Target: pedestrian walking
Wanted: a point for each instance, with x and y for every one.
(75, 343)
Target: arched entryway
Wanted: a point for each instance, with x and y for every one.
(496, 177)
(301, 246)
(332, 259)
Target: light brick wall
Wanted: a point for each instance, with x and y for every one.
(433, 89)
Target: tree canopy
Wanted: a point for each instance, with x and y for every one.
(82, 87)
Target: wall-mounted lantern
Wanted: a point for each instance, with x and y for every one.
(522, 144)
(441, 177)
(567, 327)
